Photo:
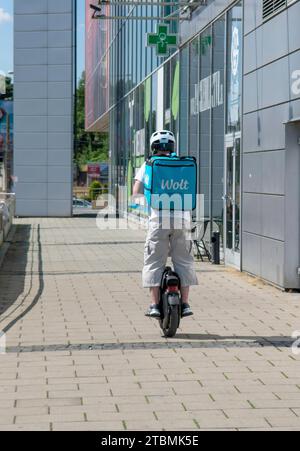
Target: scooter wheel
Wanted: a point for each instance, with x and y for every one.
(174, 319)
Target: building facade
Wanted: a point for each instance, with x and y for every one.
(231, 94)
(6, 145)
(43, 106)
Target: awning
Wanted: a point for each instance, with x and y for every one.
(292, 121)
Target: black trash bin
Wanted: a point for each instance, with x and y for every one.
(215, 248)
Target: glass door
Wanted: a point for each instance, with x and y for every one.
(232, 199)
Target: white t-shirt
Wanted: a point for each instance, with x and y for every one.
(156, 215)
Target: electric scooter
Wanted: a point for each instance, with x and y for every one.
(170, 304)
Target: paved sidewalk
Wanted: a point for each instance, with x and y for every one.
(81, 355)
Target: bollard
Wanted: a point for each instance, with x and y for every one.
(215, 248)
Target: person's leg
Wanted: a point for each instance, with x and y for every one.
(183, 261)
(155, 259)
(154, 293)
(182, 257)
(185, 293)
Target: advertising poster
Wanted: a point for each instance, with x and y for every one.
(234, 95)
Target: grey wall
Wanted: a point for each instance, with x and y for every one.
(272, 54)
(43, 107)
(202, 17)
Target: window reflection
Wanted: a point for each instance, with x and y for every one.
(194, 98)
(218, 122)
(234, 69)
(184, 102)
(202, 105)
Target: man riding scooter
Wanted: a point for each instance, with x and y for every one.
(165, 238)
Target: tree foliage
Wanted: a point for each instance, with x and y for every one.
(89, 147)
(95, 189)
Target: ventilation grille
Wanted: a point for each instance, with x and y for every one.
(271, 7)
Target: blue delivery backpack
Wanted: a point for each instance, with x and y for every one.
(171, 183)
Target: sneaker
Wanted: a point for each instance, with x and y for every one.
(153, 311)
(186, 310)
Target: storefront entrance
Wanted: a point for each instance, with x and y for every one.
(232, 200)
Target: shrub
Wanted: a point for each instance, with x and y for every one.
(95, 190)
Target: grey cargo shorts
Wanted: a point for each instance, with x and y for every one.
(160, 244)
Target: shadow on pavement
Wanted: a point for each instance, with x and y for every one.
(26, 245)
(205, 342)
(196, 337)
(16, 260)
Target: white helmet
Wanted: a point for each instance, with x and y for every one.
(162, 140)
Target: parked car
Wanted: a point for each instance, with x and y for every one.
(81, 203)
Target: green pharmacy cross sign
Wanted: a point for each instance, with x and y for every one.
(162, 40)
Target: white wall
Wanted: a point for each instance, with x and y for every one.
(43, 107)
(160, 119)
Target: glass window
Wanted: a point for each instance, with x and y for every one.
(234, 69)
(124, 58)
(141, 107)
(130, 46)
(167, 95)
(148, 50)
(127, 55)
(233, 124)
(154, 101)
(131, 125)
(143, 43)
(194, 98)
(139, 47)
(184, 101)
(127, 149)
(114, 91)
(205, 50)
(175, 103)
(121, 62)
(147, 114)
(155, 59)
(134, 49)
(122, 150)
(136, 111)
(218, 121)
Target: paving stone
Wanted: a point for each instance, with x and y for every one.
(278, 421)
(86, 358)
(26, 428)
(89, 426)
(128, 400)
(32, 419)
(42, 410)
(28, 403)
(101, 409)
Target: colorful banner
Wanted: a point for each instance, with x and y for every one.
(234, 94)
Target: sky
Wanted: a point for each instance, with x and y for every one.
(80, 36)
(6, 35)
